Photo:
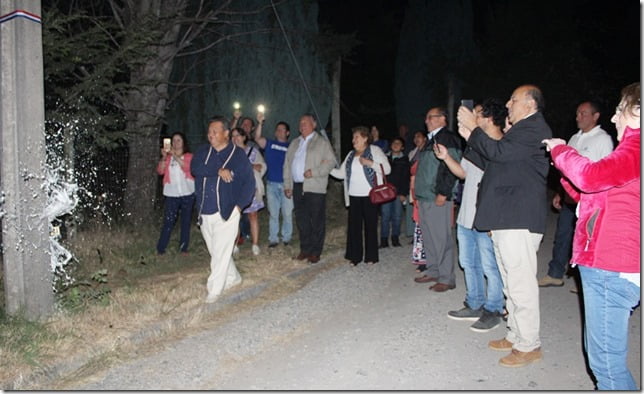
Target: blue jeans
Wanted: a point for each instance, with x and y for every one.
(391, 216)
(476, 255)
(174, 205)
(277, 202)
(562, 248)
(608, 302)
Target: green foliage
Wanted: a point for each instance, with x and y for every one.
(84, 77)
(93, 289)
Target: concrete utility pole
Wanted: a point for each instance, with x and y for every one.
(25, 230)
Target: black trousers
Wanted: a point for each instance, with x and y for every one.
(363, 216)
(310, 219)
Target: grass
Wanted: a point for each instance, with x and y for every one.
(125, 287)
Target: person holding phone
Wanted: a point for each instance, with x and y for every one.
(178, 191)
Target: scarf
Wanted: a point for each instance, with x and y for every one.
(369, 173)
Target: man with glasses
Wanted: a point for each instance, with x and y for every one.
(434, 187)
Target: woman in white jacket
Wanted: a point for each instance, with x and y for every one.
(240, 138)
(361, 169)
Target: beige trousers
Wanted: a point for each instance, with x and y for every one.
(220, 236)
(516, 255)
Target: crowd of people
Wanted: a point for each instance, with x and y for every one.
(492, 171)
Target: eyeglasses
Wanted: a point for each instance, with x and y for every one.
(434, 116)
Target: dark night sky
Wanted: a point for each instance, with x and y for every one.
(611, 40)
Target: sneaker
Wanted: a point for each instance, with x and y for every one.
(466, 313)
(502, 345)
(384, 243)
(286, 243)
(211, 299)
(236, 250)
(272, 244)
(488, 321)
(548, 281)
(255, 250)
(520, 359)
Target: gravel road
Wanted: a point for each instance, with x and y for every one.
(367, 328)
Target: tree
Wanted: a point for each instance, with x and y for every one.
(124, 84)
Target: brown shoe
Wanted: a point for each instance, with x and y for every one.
(441, 287)
(301, 256)
(502, 345)
(520, 359)
(314, 259)
(425, 279)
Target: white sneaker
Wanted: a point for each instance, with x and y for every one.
(211, 299)
(236, 250)
(255, 250)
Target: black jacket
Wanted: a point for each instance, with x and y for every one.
(512, 193)
(400, 174)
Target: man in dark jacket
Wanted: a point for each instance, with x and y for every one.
(512, 205)
(224, 186)
(434, 185)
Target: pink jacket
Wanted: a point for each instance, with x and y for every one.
(607, 235)
(162, 168)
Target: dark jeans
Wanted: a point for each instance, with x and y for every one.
(362, 218)
(174, 205)
(391, 218)
(310, 218)
(562, 247)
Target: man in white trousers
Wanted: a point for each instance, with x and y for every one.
(224, 186)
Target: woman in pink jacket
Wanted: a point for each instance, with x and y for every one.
(178, 190)
(606, 245)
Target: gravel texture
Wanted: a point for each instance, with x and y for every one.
(367, 328)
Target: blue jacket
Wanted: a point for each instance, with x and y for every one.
(213, 194)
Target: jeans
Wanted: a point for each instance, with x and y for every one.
(608, 301)
(562, 248)
(277, 201)
(174, 205)
(476, 255)
(391, 215)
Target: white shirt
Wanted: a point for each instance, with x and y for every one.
(593, 144)
(299, 159)
(179, 185)
(358, 184)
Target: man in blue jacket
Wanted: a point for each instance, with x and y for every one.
(224, 186)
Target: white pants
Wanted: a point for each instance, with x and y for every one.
(220, 236)
(516, 255)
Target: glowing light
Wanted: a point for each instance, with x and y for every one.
(261, 108)
(236, 105)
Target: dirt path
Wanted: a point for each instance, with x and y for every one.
(364, 328)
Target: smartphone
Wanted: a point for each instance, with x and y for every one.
(469, 104)
(167, 144)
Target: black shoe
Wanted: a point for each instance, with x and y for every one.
(384, 243)
(272, 244)
(395, 241)
(488, 321)
(286, 243)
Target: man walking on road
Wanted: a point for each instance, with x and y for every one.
(512, 206)
(224, 186)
